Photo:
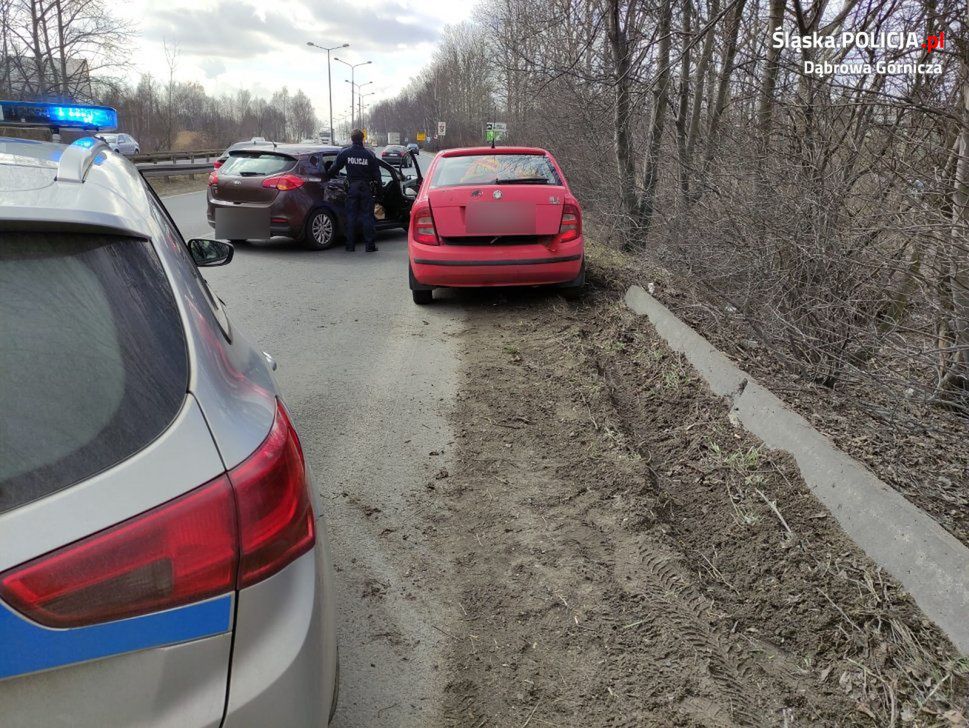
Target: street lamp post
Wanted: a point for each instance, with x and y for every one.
(352, 67)
(361, 106)
(329, 79)
(358, 88)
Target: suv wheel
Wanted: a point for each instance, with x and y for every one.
(320, 231)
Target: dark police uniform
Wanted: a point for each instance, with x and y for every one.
(362, 170)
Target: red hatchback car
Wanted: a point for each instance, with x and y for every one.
(495, 217)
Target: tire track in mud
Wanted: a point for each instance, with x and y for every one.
(671, 598)
(605, 574)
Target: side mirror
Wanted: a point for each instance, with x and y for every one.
(207, 253)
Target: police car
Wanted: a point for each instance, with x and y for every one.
(162, 557)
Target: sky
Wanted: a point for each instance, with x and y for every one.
(227, 45)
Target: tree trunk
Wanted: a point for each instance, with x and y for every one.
(765, 111)
(723, 84)
(62, 50)
(661, 93)
(956, 376)
(684, 103)
(626, 165)
(701, 75)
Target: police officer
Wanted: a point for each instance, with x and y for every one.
(363, 175)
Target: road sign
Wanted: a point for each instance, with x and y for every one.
(421, 136)
(495, 130)
(441, 128)
(393, 137)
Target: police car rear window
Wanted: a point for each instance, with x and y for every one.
(490, 169)
(256, 164)
(93, 365)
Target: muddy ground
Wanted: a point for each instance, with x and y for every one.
(622, 555)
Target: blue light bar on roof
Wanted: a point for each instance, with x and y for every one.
(59, 116)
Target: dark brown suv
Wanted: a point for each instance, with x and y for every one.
(288, 180)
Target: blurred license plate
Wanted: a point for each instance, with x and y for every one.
(500, 218)
(242, 223)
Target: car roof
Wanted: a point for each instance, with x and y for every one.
(84, 187)
(290, 149)
(469, 151)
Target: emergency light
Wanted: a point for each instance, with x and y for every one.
(58, 116)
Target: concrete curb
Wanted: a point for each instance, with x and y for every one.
(928, 561)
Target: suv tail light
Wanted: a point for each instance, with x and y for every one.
(422, 220)
(213, 179)
(217, 163)
(571, 225)
(284, 182)
(228, 534)
(276, 522)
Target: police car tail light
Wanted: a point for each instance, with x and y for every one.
(283, 182)
(423, 221)
(571, 225)
(276, 521)
(232, 532)
(185, 550)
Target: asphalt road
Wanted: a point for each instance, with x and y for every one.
(369, 377)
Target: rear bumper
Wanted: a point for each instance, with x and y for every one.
(285, 222)
(284, 657)
(510, 265)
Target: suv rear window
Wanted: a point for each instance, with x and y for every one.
(491, 169)
(93, 365)
(256, 164)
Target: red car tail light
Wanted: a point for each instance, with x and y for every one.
(571, 225)
(423, 225)
(213, 179)
(183, 551)
(276, 521)
(284, 182)
(228, 534)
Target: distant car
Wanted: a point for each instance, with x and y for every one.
(254, 142)
(123, 144)
(495, 217)
(397, 155)
(163, 558)
(287, 179)
(414, 147)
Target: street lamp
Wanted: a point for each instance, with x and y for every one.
(329, 80)
(357, 87)
(361, 106)
(352, 67)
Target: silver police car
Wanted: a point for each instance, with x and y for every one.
(163, 561)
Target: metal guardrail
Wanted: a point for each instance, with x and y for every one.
(172, 170)
(173, 157)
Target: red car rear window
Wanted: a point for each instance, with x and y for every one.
(491, 169)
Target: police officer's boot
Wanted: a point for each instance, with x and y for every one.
(372, 248)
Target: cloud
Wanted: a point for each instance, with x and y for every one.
(381, 28)
(233, 29)
(222, 30)
(212, 67)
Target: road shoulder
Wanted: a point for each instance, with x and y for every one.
(627, 556)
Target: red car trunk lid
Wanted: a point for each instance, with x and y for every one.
(469, 211)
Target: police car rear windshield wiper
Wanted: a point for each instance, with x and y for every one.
(523, 181)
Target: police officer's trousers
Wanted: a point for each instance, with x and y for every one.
(360, 212)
